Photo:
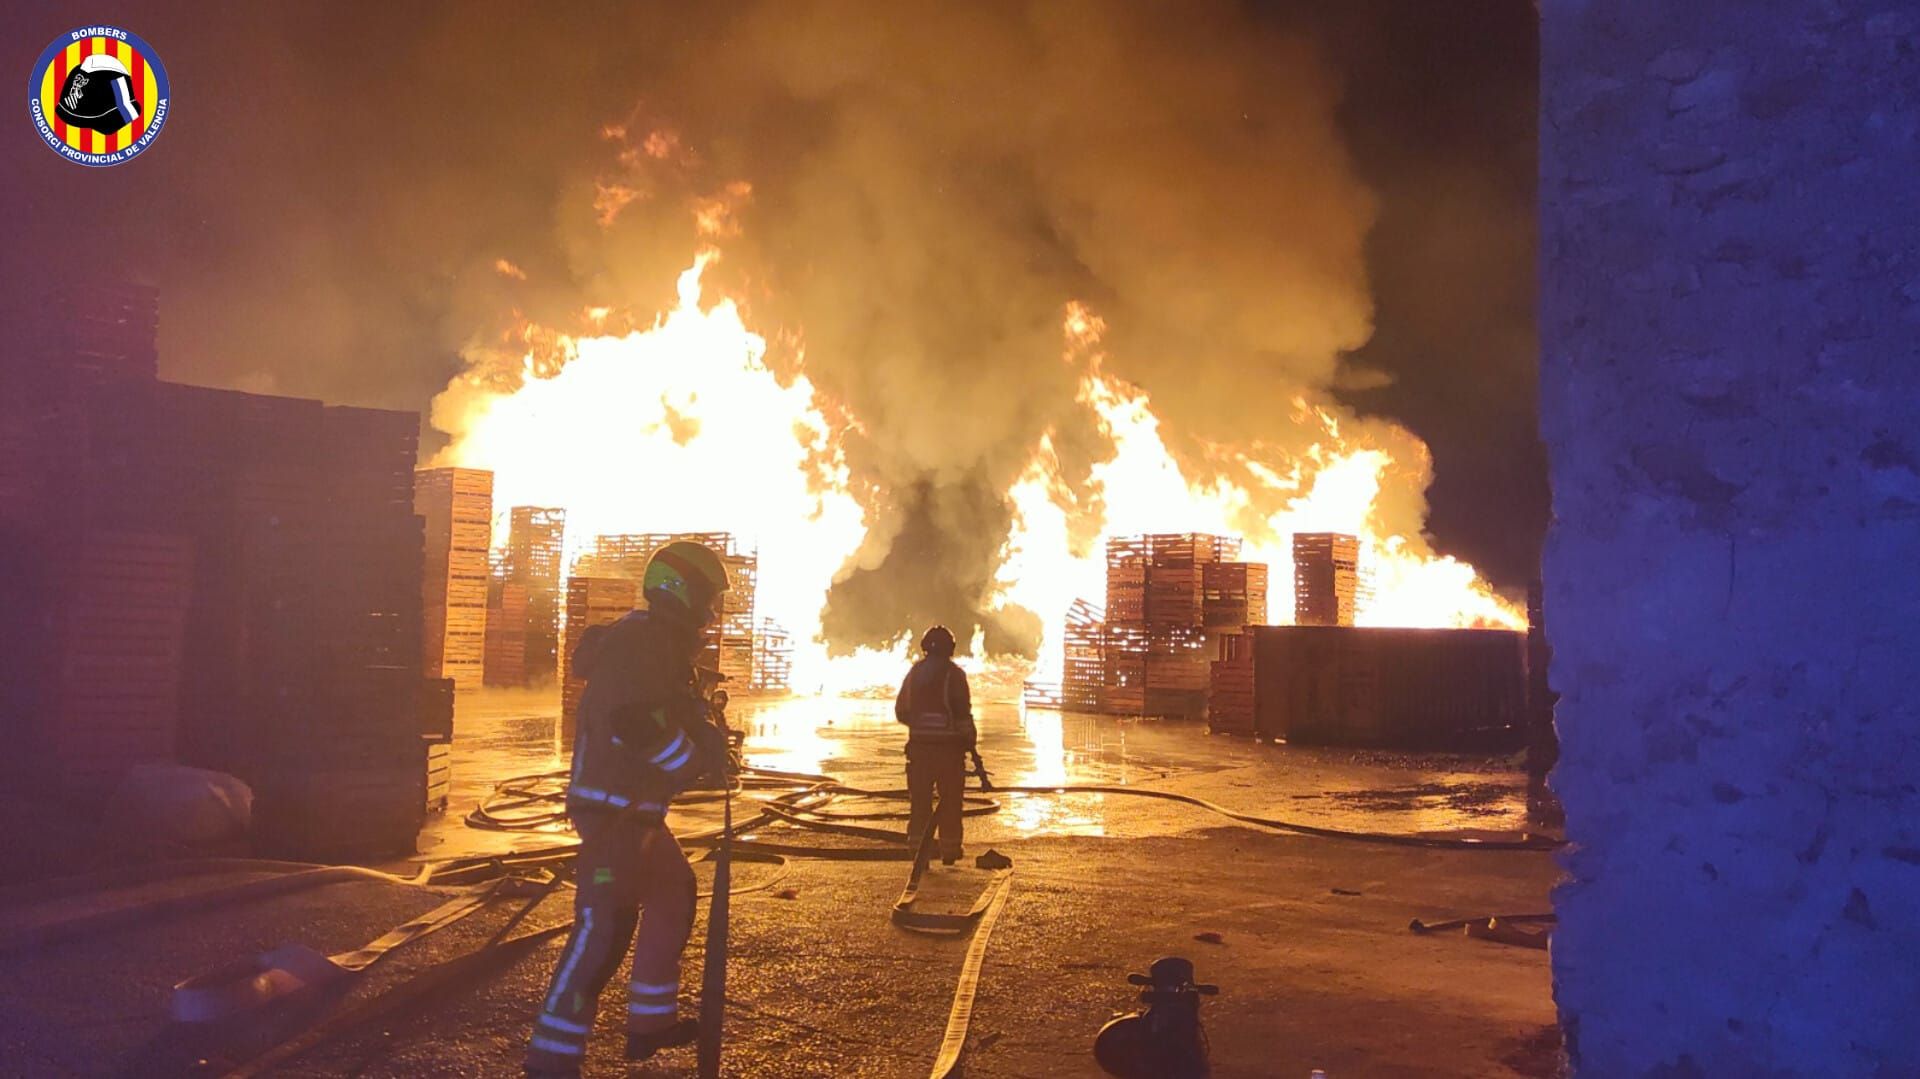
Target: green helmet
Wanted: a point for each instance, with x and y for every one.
(685, 574)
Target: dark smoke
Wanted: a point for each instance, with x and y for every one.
(930, 187)
(930, 190)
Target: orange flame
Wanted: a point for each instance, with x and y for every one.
(681, 426)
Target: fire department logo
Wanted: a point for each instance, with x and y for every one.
(98, 96)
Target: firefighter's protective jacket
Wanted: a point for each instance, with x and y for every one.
(643, 733)
(936, 706)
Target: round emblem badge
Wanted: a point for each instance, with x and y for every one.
(98, 96)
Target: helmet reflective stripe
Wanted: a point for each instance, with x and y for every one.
(683, 568)
(679, 742)
(129, 111)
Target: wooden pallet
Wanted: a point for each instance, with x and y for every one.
(439, 777)
(591, 601)
(118, 604)
(1173, 548)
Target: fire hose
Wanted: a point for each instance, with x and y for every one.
(535, 803)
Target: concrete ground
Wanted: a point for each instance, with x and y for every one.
(1306, 937)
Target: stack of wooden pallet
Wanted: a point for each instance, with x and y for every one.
(1233, 595)
(104, 329)
(591, 601)
(118, 631)
(346, 777)
(457, 504)
(506, 656)
(1083, 672)
(772, 658)
(231, 581)
(1169, 596)
(730, 642)
(536, 537)
(1325, 578)
(436, 719)
(524, 600)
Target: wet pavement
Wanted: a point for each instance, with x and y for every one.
(1307, 937)
(502, 734)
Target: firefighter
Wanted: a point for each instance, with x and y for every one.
(937, 708)
(644, 736)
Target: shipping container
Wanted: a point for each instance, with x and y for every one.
(1428, 689)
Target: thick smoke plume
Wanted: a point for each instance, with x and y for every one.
(928, 193)
(927, 186)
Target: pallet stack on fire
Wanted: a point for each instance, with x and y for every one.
(523, 599)
(772, 658)
(1325, 591)
(1326, 578)
(457, 504)
(1171, 598)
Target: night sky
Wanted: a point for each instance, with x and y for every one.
(333, 186)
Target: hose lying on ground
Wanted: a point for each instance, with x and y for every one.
(536, 802)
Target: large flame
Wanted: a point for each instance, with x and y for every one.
(681, 426)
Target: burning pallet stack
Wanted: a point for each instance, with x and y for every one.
(1327, 589)
(1326, 578)
(457, 504)
(523, 599)
(772, 658)
(1170, 597)
(225, 580)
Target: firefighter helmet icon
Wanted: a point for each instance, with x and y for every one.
(99, 96)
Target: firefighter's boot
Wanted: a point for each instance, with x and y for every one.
(643, 1046)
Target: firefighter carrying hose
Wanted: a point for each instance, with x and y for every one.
(937, 708)
(644, 737)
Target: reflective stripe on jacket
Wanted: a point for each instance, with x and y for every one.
(643, 734)
(936, 705)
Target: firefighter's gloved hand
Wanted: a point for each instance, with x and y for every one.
(661, 743)
(710, 744)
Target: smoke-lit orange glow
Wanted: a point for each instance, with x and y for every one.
(681, 426)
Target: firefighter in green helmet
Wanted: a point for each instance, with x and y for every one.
(644, 737)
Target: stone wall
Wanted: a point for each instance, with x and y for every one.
(1730, 336)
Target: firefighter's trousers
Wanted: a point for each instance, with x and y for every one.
(630, 873)
(942, 769)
